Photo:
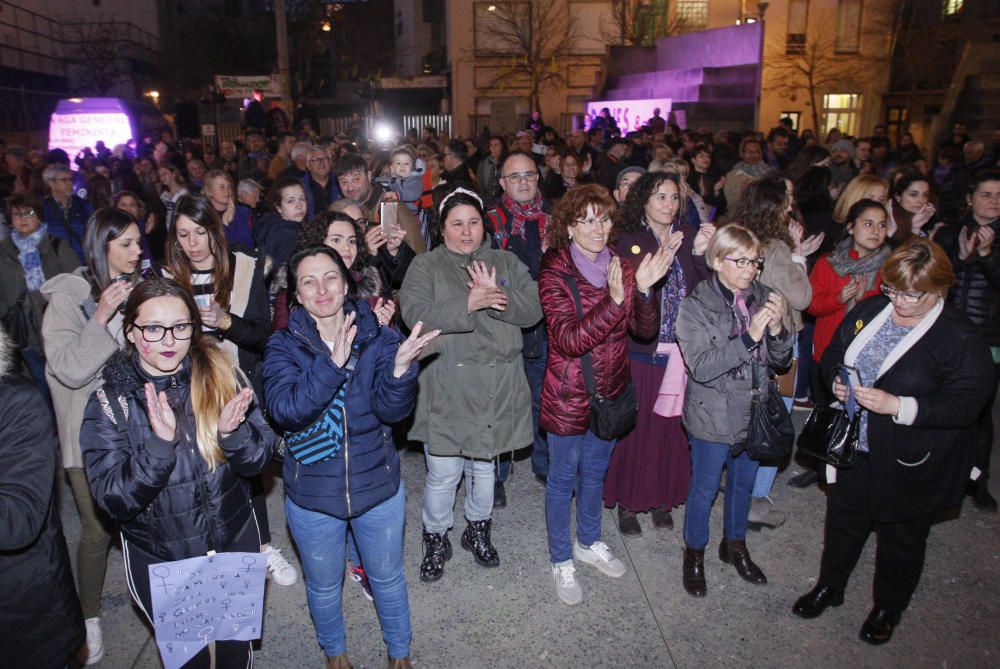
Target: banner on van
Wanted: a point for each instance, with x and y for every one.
(240, 86)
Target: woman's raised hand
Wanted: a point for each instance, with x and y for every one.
(760, 322)
(234, 412)
(703, 239)
(616, 283)
(212, 315)
(161, 416)
(483, 290)
(654, 266)
(796, 231)
(922, 217)
(111, 297)
(345, 339)
(850, 290)
(778, 305)
(410, 349)
(812, 243)
(384, 310)
(374, 239)
(230, 213)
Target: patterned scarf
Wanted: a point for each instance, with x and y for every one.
(844, 264)
(524, 212)
(29, 257)
(673, 292)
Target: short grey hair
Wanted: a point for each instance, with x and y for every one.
(248, 186)
(53, 171)
(301, 150)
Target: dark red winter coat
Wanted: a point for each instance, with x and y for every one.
(603, 333)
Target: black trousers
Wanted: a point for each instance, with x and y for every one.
(228, 654)
(899, 557)
(984, 434)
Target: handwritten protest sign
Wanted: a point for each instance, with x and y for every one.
(204, 599)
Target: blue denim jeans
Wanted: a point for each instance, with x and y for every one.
(379, 534)
(534, 370)
(576, 462)
(766, 473)
(707, 460)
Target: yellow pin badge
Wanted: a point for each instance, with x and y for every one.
(635, 249)
(858, 324)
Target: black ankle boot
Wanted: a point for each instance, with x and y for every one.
(735, 552)
(437, 551)
(694, 572)
(476, 539)
(817, 600)
(879, 626)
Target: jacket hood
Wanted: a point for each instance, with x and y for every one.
(73, 284)
(6, 354)
(270, 223)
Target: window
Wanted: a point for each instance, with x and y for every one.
(692, 15)
(897, 122)
(840, 110)
(798, 15)
(950, 7)
(795, 116)
(848, 26)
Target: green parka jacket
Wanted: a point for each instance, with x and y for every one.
(474, 399)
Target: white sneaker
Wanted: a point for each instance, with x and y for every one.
(279, 569)
(567, 588)
(95, 641)
(599, 555)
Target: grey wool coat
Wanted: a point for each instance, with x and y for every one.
(473, 398)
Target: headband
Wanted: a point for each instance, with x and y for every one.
(455, 192)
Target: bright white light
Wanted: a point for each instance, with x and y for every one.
(491, 8)
(383, 133)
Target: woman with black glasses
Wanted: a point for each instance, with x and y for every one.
(170, 437)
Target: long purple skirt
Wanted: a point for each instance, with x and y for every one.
(651, 466)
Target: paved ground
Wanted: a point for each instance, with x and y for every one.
(510, 617)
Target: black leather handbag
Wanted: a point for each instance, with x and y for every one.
(609, 418)
(831, 436)
(770, 435)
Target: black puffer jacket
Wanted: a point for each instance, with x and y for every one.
(163, 494)
(41, 624)
(977, 292)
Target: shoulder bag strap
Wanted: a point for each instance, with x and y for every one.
(585, 362)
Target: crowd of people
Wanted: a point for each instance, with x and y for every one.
(187, 315)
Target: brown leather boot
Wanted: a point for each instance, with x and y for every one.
(338, 662)
(694, 571)
(735, 552)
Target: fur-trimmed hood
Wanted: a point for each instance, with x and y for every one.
(6, 354)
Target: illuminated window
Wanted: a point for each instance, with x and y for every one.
(798, 15)
(952, 7)
(841, 110)
(692, 15)
(848, 26)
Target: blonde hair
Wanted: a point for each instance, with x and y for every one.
(729, 239)
(856, 190)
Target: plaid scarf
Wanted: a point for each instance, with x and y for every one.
(29, 257)
(524, 212)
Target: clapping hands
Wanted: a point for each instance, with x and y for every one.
(483, 290)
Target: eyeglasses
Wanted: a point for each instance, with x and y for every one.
(605, 220)
(154, 333)
(909, 298)
(743, 263)
(27, 213)
(518, 177)
(321, 159)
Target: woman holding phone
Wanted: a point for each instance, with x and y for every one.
(228, 287)
(82, 328)
(924, 373)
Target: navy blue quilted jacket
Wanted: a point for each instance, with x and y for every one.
(300, 380)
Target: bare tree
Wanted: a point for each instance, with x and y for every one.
(533, 41)
(99, 51)
(638, 22)
(816, 67)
